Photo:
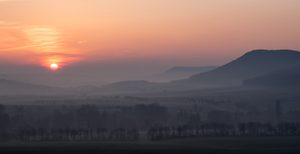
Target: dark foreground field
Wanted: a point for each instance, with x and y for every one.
(277, 145)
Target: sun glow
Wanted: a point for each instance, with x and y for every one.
(54, 67)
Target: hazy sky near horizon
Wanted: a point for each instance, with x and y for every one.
(169, 32)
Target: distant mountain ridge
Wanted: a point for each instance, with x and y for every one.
(250, 65)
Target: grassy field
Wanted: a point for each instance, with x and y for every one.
(242, 145)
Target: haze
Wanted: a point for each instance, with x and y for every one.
(112, 37)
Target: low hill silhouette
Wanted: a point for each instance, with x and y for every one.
(13, 87)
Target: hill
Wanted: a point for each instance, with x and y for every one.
(283, 78)
(252, 64)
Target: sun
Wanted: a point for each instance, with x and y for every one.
(54, 66)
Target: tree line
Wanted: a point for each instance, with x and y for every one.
(155, 133)
(253, 129)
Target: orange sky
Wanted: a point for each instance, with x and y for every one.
(179, 32)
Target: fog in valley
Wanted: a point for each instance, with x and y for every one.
(231, 100)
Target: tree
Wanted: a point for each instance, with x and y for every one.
(4, 123)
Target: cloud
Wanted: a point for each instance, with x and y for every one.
(66, 55)
(7, 24)
(10, 0)
(44, 44)
(12, 37)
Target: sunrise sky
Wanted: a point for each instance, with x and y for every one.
(169, 32)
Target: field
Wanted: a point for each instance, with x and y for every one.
(234, 145)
